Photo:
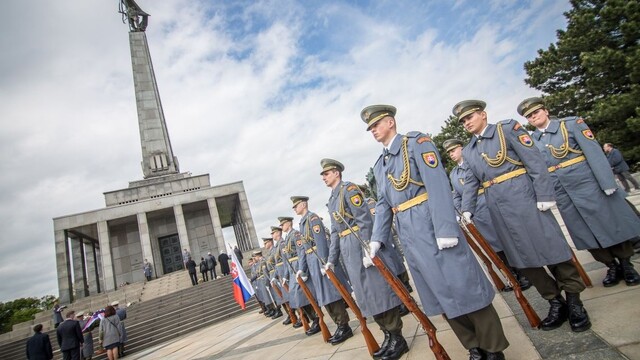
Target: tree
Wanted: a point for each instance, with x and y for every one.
(451, 129)
(593, 70)
(23, 309)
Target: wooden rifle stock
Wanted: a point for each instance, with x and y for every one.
(400, 290)
(372, 344)
(292, 315)
(583, 274)
(496, 279)
(305, 322)
(323, 327)
(474, 235)
(398, 287)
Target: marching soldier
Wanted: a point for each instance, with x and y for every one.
(293, 252)
(596, 215)
(373, 294)
(268, 270)
(314, 240)
(481, 218)
(503, 160)
(413, 185)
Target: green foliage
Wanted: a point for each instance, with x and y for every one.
(23, 309)
(451, 129)
(593, 70)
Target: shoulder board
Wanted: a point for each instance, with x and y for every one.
(413, 134)
(577, 119)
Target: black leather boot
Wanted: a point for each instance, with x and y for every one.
(342, 334)
(383, 348)
(278, 313)
(558, 314)
(578, 317)
(613, 275)
(403, 310)
(269, 312)
(314, 328)
(495, 355)
(522, 280)
(630, 274)
(397, 347)
(476, 354)
(287, 321)
(297, 324)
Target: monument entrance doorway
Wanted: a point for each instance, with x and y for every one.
(171, 253)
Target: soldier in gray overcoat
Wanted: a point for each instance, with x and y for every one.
(596, 215)
(504, 161)
(268, 270)
(258, 279)
(373, 294)
(278, 275)
(293, 252)
(481, 218)
(314, 243)
(413, 185)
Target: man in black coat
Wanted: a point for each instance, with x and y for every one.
(223, 259)
(70, 337)
(191, 267)
(39, 345)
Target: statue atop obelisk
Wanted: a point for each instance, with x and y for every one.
(157, 155)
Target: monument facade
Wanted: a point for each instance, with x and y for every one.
(154, 218)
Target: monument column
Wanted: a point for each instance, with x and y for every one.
(79, 271)
(105, 256)
(145, 240)
(247, 220)
(63, 267)
(217, 226)
(92, 280)
(182, 229)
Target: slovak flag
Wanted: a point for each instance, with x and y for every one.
(242, 289)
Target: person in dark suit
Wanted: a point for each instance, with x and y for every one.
(70, 337)
(39, 345)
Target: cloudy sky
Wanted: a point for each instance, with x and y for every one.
(257, 91)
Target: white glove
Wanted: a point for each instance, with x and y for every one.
(323, 271)
(329, 266)
(374, 246)
(273, 281)
(444, 243)
(457, 218)
(366, 261)
(467, 216)
(609, 191)
(298, 273)
(545, 205)
(284, 281)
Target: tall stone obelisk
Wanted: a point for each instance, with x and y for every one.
(157, 154)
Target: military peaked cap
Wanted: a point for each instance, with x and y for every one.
(264, 240)
(528, 106)
(298, 199)
(374, 113)
(330, 164)
(466, 107)
(284, 219)
(451, 144)
(275, 228)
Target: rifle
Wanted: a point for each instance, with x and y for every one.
(472, 233)
(496, 279)
(372, 344)
(323, 327)
(292, 315)
(583, 274)
(406, 298)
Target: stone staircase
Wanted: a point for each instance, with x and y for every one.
(159, 318)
